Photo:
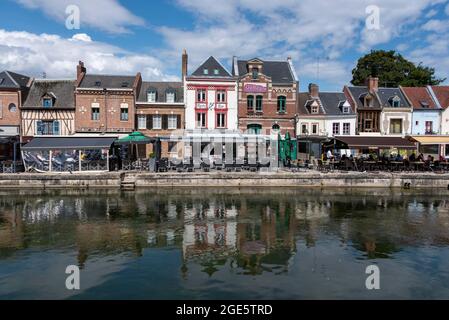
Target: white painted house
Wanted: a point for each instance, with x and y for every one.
(211, 98)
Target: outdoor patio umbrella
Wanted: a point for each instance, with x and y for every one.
(135, 138)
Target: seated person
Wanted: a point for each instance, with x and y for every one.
(412, 157)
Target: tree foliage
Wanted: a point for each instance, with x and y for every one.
(393, 70)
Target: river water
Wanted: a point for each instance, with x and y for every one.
(249, 243)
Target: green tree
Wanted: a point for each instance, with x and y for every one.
(393, 70)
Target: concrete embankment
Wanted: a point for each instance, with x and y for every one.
(224, 179)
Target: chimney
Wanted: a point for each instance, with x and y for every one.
(314, 90)
(185, 59)
(80, 72)
(373, 84)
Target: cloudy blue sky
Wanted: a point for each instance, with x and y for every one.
(126, 36)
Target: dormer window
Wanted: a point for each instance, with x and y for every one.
(369, 101)
(125, 84)
(206, 71)
(2, 80)
(98, 83)
(170, 97)
(424, 104)
(314, 107)
(395, 102)
(345, 107)
(47, 102)
(255, 73)
(216, 72)
(151, 95)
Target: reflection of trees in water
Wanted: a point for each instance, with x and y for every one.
(248, 230)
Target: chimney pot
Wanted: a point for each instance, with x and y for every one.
(314, 90)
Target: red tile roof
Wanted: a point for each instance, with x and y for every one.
(442, 94)
(418, 95)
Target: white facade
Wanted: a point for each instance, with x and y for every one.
(445, 122)
(402, 116)
(346, 126)
(218, 113)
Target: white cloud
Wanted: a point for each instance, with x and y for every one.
(33, 54)
(436, 25)
(107, 15)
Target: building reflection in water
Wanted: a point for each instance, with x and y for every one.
(247, 231)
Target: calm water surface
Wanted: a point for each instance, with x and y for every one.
(230, 244)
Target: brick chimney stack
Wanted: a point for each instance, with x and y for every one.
(80, 72)
(185, 60)
(314, 90)
(372, 84)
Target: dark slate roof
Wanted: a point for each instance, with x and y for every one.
(211, 64)
(332, 103)
(161, 88)
(72, 143)
(359, 93)
(278, 71)
(304, 102)
(12, 80)
(386, 94)
(61, 90)
(107, 81)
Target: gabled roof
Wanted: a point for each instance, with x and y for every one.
(442, 94)
(12, 80)
(420, 98)
(107, 81)
(161, 89)
(305, 102)
(387, 94)
(331, 103)
(279, 71)
(359, 93)
(214, 69)
(61, 90)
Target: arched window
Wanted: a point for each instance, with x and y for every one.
(259, 103)
(281, 104)
(276, 127)
(12, 107)
(170, 96)
(151, 95)
(254, 128)
(255, 73)
(250, 103)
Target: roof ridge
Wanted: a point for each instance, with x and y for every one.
(12, 78)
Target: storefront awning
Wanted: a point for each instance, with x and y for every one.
(363, 142)
(430, 139)
(71, 143)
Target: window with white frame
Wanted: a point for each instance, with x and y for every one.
(141, 122)
(304, 128)
(151, 96)
(170, 97)
(221, 96)
(157, 121)
(201, 120)
(124, 114)
(221, 120)
(172, 121)
(201, 95)
(336, 128)
(346, 128)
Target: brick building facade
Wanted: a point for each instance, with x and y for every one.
(105, 103)
(267, 95)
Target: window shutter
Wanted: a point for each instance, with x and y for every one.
(38, 127)
(149, 121)
(164, 122)
(56, 128)
(178, 121)
(136, 122)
